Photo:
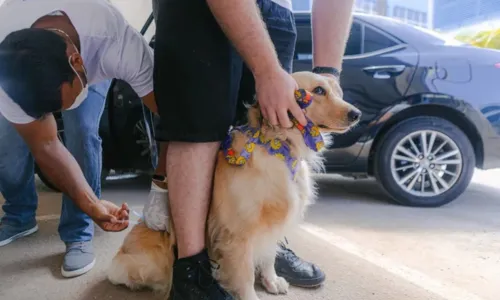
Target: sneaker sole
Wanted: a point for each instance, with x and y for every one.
(75, 273)
(19, 235)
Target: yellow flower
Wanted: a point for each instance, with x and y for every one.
(319, 145)
(275, 144)
(280, 156)
(231, 160)
(241, 161)
(314, 131)
(256, 134)
(250, 147)
(294, 164)
(263, 139)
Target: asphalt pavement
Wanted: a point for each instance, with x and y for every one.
(368, 247)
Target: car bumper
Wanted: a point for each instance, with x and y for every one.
(491, 154)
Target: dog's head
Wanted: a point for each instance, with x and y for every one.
(328, 110)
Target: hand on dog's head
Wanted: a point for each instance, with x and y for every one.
(328, 110)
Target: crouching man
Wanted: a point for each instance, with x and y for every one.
(49, 56)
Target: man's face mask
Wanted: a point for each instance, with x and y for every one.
(85, 89)
(83, 94)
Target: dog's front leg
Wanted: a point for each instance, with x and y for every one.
(237, 270)
(269, 279)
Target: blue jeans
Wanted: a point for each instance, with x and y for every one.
(17, 181)
(280, 24)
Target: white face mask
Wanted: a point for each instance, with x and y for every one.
(83, 94)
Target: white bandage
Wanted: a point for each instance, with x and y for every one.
(155, 212)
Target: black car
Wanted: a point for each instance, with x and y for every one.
(429, 114)
(430, 117)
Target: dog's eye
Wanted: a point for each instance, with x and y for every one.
(319, 91)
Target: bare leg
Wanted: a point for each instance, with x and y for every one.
(161, 169)
(156, 211)
(190, 167)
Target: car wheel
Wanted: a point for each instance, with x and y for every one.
(424, 162)
(138, 142)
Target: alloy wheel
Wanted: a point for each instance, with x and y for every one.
(426, 163)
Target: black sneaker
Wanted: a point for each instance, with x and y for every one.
(192, 280)
(296, 271)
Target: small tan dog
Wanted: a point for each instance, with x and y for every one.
(260, 193)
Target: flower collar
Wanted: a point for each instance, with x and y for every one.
(275, 147)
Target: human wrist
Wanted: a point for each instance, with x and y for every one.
(87, 204)
(265, 65)
(327, 71)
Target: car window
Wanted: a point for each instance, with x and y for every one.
(375, 41)
(354, 44)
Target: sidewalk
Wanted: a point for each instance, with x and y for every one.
(30, 270)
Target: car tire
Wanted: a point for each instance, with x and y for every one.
(454, 163)
(137, 140)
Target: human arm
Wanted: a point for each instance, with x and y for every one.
(150, 102)
(241, 22)
(61, 168)
(331, 23)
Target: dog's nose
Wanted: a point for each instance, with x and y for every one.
(353, 115)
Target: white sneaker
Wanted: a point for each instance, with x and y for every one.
(155, 212)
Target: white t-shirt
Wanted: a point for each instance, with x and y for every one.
(110, 47)
(285, 3)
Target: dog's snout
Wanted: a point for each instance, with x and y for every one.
(353, 115)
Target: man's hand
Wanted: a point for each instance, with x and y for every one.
(108, 216)
(62, 169)
(275, 93)
(241, 22)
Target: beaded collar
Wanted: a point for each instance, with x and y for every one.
(274, 146)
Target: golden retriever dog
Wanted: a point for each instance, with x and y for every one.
(258, 197)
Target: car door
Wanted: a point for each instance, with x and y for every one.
(376, 73)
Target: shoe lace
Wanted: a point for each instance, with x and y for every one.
(207, 272)
(288, 253)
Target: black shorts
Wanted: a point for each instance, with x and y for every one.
(200, 80)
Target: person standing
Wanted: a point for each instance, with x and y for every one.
(201, 49)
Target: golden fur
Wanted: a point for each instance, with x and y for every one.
(253, 207)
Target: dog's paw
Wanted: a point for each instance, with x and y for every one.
(276, 285)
